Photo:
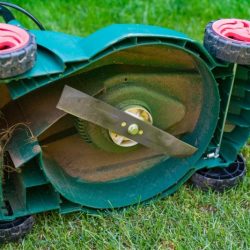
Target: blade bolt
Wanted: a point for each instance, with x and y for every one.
(133, 129)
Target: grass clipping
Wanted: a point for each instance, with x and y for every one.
(5, 137)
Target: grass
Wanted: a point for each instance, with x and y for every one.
(82, 17)
(189, 219)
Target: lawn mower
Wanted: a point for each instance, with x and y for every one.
(129, 113)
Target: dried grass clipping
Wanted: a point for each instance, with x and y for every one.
(5, 136)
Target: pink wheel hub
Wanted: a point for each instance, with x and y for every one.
(12, 38)
(234, 29)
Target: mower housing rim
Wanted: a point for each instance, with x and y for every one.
(107, 190)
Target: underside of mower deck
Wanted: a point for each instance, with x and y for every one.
(126, 114)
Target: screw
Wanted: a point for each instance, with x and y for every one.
(36, 149)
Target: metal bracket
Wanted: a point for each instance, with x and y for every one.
(88, 108)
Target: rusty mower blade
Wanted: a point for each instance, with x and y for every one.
(88, 108)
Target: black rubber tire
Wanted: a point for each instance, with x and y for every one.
(228, 50)
(219, 179)
(20, 61)
(15, 230)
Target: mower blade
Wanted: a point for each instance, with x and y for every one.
(88, 108)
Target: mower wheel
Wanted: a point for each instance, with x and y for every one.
(16, 229)
(229, 40)
(219, 179)
(17, 50)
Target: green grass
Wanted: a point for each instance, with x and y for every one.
(82, 17)
(189, 219)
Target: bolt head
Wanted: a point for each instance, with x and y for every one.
(133, 129)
